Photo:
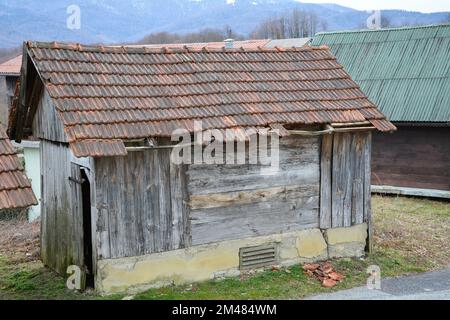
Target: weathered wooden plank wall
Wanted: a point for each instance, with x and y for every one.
(141, 204)
(47, 124)
(414, 157)
(238, 201)
(62, 218)
(345, 179)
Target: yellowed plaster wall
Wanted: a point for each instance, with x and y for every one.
(204, 262)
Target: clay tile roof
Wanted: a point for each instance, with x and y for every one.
(109, 94)
(15, 188)
(11, 67)
(246, 44)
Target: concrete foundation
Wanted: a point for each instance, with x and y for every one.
(346, 242)
(218, 260)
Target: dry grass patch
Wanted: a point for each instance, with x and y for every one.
(418, 228)
(19, 240)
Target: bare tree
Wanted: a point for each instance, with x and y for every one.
(296, 24)
(205, 35)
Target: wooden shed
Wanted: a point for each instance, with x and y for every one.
(9, 73)
(116, 204)
(405, 72)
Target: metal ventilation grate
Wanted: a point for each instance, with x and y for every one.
(257, 257)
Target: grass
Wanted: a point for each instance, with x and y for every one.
(30, 280)
(410, 235)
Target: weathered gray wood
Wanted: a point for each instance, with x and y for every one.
(367, 194)
(238, 201)
(94, 216)
(62, 220)
(47, 124)
(325, 181)
(360, 140)
(225, 199)
(299, 159)
(250, 220)
(348, 173)
(338, 177)
(165, 211)
(145, 199)
(75, 245)
(102, 230)
(306, 174)
(180, 209)
(22, 103)
(411, 191)
(43, 200)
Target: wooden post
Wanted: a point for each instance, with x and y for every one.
(367, 191)
(325, 181)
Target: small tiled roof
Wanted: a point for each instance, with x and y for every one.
(105, 95)
(15, 188)
(11, 67)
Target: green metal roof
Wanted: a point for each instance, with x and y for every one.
(405, 71)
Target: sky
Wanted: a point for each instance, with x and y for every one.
(410, 5)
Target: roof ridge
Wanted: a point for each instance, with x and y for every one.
(429, 26)
(163, 49)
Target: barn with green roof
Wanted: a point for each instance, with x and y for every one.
(406, 72)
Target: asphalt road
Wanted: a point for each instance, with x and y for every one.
(426, 286)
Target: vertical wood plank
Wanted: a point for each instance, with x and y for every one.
(102, 225)
(148, 214)
(348, 173)
(367, 190)
(181, 236)
(44, 201)
(155, 190)
(61, 238)
(138, 201)
(326, 181)
(358, 179)
(94, 217)
(337, 191)
(164, 199)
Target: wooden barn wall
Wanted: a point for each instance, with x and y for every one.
(415, 157)
(238, 201)
(47, 123)
(61, 213)
(345, 180)
(141, 204)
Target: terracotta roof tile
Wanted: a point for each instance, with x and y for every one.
(15, 188)
(108, 94)
(246, 44)
(11, 67)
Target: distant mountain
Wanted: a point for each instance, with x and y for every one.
(112, 21)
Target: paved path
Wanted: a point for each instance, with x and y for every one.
(426, 286)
